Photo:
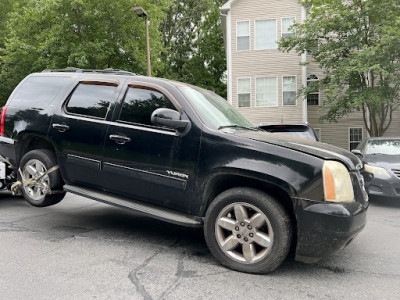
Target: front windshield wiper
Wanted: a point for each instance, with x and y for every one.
(238, 126)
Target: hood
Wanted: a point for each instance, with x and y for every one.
(383, 160)
(321, 150)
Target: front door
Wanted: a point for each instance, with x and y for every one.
(146, 162)
(79, 129)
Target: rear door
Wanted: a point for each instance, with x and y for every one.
(147, 162)
(79, 128)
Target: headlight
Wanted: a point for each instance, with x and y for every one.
(376, 170)
(337, 182)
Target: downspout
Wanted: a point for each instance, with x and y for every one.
(225, 14)
(304, 70)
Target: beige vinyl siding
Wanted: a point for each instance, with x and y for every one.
(255, 64)
(336, 134)
(394, 129)
(267, 62)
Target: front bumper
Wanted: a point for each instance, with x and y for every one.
(324, 228)
(381, 188)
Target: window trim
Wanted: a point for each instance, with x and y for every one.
(107, 82)
(295, 90)
(277, 91)
(276, 34)
(92, 82)
(293, 17)
(156, 88)
(249, 36)
(151, 128)
(314, 93)
(349, 137)
(237, 92)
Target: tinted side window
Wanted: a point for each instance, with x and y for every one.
(39, 91)
(91, 100)
(140, 103)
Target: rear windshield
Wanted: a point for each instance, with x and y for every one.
(299, 134)
(38, 91)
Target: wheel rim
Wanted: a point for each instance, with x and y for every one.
(33, 169)
(244, 233)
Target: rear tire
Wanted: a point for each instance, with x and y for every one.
(247, 230)
(34, 164)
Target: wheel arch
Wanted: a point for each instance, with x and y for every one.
(223, 181)
(280, 190)
(29, 142)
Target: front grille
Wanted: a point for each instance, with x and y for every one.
(396, 172)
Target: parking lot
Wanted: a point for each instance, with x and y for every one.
(84, 249)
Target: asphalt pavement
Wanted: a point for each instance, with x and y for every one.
(82, 249)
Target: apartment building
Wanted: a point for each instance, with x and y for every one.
(263, 82)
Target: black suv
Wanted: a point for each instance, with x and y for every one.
(181, 154)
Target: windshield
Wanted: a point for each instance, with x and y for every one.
(214, 110)
(388, 147)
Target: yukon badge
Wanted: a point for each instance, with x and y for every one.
(181, 175)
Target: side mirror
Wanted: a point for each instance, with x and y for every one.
(169, 118)
(358, 153)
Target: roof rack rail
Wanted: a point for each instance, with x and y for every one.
(77, 70)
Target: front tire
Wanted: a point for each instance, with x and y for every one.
(33, 165)
(247, 230)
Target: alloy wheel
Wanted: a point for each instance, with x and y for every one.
(33, 170)
(244, 233)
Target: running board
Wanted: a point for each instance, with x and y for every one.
(153, 211)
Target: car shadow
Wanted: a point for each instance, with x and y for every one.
(389, 203)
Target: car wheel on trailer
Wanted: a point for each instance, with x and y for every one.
(35, 187)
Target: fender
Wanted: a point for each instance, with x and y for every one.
(290, 171)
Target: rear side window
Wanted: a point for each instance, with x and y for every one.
(140, 103)
(38, 91)
(91, 100)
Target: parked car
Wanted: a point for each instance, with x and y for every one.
(381, 157)
(302, 131)
(180, 154)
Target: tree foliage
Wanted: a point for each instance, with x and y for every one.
(97, 34)
(193, 41)
(357, 44)
(45, 34)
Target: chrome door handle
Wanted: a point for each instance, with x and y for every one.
(120, 139)
(60, 127)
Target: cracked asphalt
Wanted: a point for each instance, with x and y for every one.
(82, 249)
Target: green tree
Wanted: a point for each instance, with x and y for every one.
(6, 7)
(194, 47)
(93, 34)
(357, 44)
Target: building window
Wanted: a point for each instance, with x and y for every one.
(267, 91)
(312, 98)
(355, 137)
(243, 35)
(265, 34)
(286, 24)
(244, 92)
(289, 88)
